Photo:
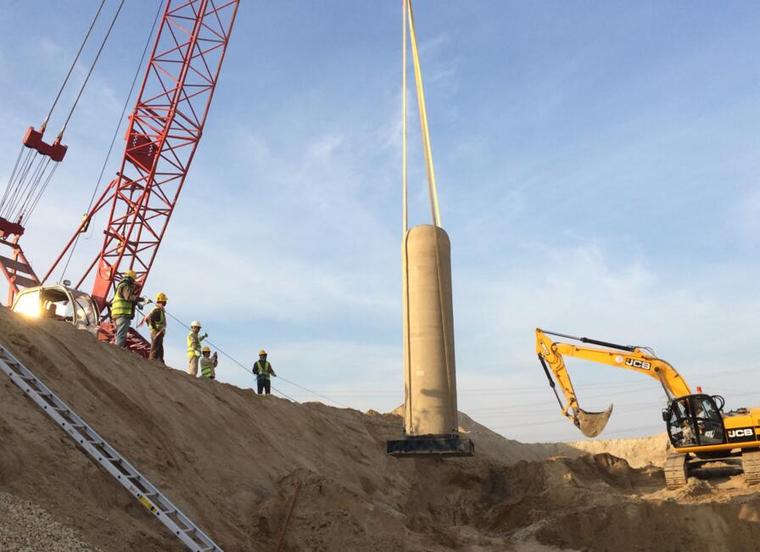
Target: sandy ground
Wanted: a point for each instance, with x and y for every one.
(232, 461)
(25, 527)
(639, 453)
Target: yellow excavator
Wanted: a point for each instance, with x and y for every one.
(697, 426)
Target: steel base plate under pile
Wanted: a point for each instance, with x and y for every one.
(431, 445)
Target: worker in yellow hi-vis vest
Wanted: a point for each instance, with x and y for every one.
(263, 370)
(156, 321)
(208, 363)
(194, 347)
(125, 299)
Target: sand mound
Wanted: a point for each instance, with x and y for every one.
(233, 461)
(639, 452)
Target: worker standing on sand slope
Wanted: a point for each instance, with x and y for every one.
(263, 370)
(123, 305)
(194, 347)
(208, 363)
(156, 321)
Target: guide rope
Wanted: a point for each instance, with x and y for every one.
(250, 371)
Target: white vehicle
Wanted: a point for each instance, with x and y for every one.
(59, 302)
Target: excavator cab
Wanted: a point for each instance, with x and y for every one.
(695, 420)
(59, 302)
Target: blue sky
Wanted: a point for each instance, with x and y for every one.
(597, 174)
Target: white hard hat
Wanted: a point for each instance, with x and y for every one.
(195, 324)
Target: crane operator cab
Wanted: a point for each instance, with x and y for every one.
(59, 302)
(695, 420)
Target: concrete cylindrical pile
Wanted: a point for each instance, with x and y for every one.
(429, 370)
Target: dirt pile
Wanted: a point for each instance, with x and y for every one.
(233, 461)
(638, 452)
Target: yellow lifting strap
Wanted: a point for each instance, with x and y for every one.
(409, 30)
(410, 36)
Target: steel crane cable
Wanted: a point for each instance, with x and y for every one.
(241, 365)
(13, 175)
(410, 29)
(14, 185)
(24, 185)
(40, 193)
(26, 192)
(92, 68)
(73, 64)
(32, 187)
(148, 41)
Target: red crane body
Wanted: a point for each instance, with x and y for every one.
(165, 128)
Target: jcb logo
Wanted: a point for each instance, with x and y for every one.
(735, 433)
(638, 363)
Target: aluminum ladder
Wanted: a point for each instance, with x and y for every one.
(107, 456)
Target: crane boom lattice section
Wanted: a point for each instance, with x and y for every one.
(163, 134)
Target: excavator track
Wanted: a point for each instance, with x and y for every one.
(676, 470)
(751, 466)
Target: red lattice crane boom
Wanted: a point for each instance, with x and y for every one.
(163, 134)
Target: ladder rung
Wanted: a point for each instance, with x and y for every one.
(189, 530)
(169, 512)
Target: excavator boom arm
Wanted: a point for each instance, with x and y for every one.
(551, 354)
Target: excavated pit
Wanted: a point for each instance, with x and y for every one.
(232, 461)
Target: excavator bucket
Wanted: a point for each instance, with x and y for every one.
(592, 424)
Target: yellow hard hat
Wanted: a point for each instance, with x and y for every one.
(161, 297)
(206, 349)
(262, 352)
(130, 274)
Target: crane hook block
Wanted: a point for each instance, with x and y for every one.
(33, 139)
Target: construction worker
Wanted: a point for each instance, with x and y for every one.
(194, 347)
(123, 305)
(156, 321)
(263, 370)
(208, 363)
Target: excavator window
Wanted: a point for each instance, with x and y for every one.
(694, 420)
